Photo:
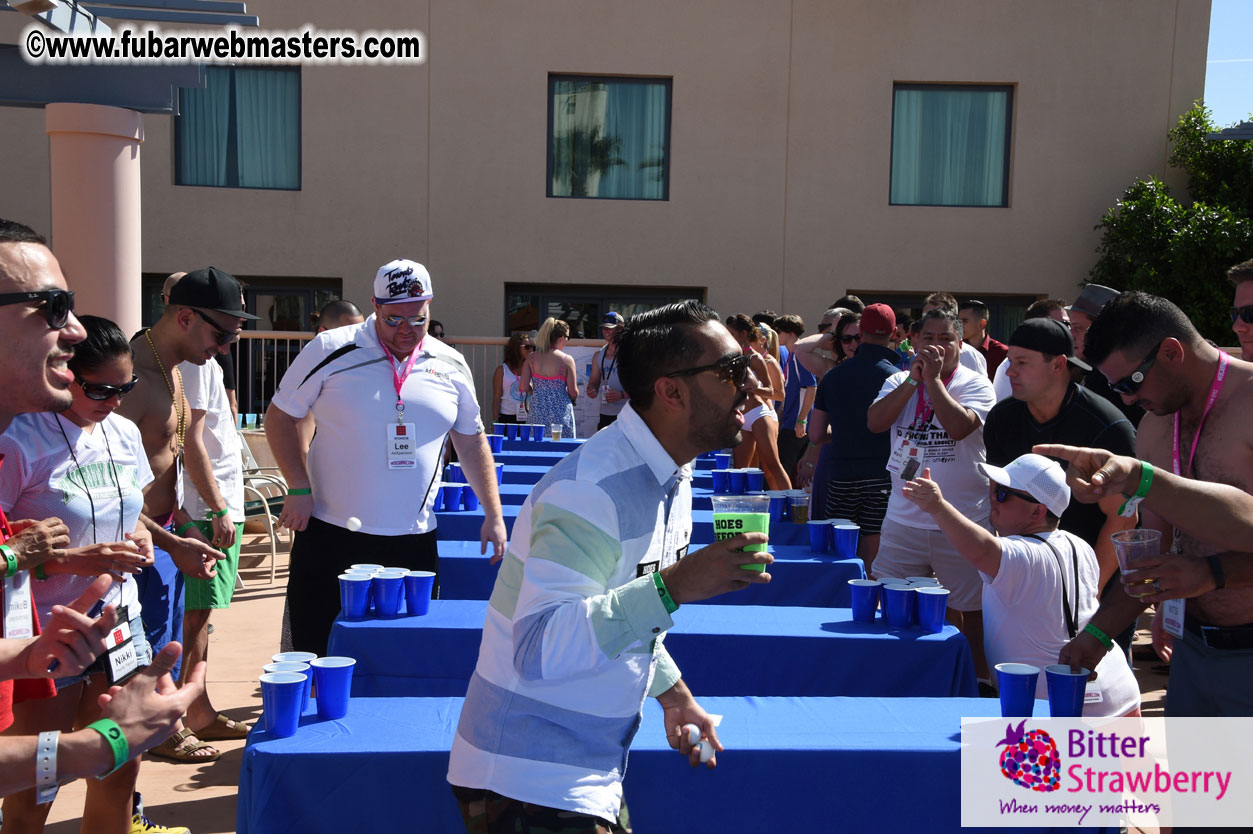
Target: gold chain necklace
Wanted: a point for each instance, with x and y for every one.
(180, 431)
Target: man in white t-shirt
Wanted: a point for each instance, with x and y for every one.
(1040, 584)
(935, 413)
(972, 358)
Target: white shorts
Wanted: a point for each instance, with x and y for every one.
(912, 551)
(757, 413)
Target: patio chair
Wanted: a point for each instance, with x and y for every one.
(264, 494)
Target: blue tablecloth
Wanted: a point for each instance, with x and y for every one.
(798, 577)
(546, 445)
(467, 525)
(721, 649)
(790, 765)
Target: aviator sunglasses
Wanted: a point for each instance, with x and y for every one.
(1244, 314)
(57, 306)
(224, 336)
(733, 369)
(396, 321)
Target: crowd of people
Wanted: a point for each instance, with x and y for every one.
(1001, 468)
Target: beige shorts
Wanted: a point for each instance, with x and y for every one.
(910, 551)
(756, 414)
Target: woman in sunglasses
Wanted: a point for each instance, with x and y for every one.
(85, 465)
(506, 396)
(760, 442)
(548, 378)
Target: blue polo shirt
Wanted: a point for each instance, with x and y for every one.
(845, 394)
(798, 378)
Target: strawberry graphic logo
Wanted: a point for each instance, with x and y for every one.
(1030, 759)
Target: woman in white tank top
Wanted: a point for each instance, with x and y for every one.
(506, 396)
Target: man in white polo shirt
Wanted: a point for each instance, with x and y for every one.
(385, 397)
(935, 413)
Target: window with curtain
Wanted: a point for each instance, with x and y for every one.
(609, 137)
(950, 145)
(242, 130)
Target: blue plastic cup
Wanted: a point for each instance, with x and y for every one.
(332, 677)
(844, 536)
(898, 605)
(300, 669)
(496, 442)
(354, 595)
(501, 429)
(932, 606)
(721, 481)
(365, 566)
(1017, 682)
(469, 500)
(452, 497)
(778, 504)
(513, 431)
(457, 476)
(292, 657)
(282, 694)
(500, 474)
(722, 460)
(756, 480)
(819, 536)
(537, 432)
(439, 498)
(418, 587)
(739, 481)
(387, 590)
(1066, 690)
(864, 599)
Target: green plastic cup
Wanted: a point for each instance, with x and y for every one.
(735, 514)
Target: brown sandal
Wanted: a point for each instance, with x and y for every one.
(182, 747)
(223, 728)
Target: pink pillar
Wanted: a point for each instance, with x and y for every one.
(96, 224)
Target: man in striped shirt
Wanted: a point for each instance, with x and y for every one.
(573, 642)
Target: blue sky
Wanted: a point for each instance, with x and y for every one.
(1229, 71)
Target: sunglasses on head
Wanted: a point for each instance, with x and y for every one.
(1245, 314)
(224, 336)
(56, 307)
(101, 391)
(396, 321)
(848, 340)
(1004, 493)
(1131, 384)
(733, 369)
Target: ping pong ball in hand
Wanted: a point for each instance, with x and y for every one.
(354, 524)
(693, 733)
(706, 751)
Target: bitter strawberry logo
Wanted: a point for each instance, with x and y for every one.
(1030, 759)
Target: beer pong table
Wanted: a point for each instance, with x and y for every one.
(791, 764)
(721, 650)
(798, 577)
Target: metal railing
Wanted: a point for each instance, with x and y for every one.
(263, 356)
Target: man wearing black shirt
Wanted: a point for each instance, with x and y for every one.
(1046, 407)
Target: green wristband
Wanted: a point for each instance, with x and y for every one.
(113, 734)
(301, 491)
(1129, 507)
(1099, 635)
(10, 559)
(183, 528)
(218, 513)
(666, 599)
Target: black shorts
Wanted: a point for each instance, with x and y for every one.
(865, 503)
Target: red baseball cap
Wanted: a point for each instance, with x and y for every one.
(878, 320)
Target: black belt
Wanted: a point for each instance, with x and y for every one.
(1227, 638)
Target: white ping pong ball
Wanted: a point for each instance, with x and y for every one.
(706, 751)
(354, 524)
(693, 733)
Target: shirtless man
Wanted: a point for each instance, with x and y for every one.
(1198, 401)
(203, 317)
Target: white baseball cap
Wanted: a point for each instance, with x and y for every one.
(402, 280)
(1041, 478)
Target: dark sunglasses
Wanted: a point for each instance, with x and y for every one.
(1131, 384)
(733, 369)
(57, 304)
(1245, 314)
(224, 336)
(1003, 494)
(848, 340)
(396, 321)
(101, 391)
(528, 347)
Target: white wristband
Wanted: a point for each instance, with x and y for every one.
(46, 766)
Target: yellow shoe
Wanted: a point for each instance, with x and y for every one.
(142, 825)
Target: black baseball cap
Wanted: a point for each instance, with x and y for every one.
(1047, 336)
(211, 289)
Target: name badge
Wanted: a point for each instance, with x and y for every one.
(905, 460)
(402, 447)
(1172, 616)
(19, 616)
(1092, 693)
(120, 650)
